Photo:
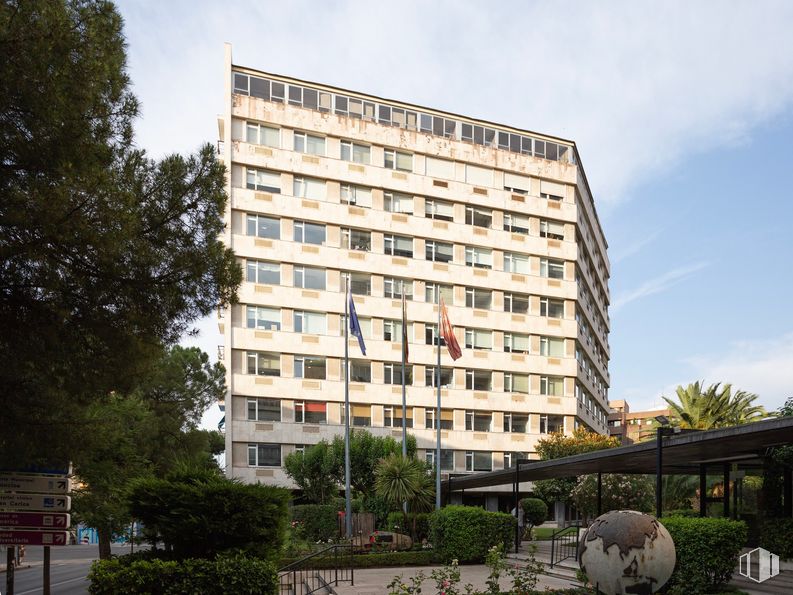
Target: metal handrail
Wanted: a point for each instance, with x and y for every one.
(301, 578)
(563, 537)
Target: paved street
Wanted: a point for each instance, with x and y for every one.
(68, 568)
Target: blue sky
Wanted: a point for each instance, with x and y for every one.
(683, 114)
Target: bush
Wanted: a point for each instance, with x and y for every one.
(396, 520)
(199, 517)
(776, 536)
(535, 511)
(684, 512)
(466, 533)
(707, 552)
(228, 573)
(379, 560)
(320, 521)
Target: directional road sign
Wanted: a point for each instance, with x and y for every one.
(34, 502)
(57, 469)
(34, 483)
(34, 537)
(45, 520)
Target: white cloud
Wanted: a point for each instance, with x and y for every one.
(759, 366)
(656, 285)
(638, 85)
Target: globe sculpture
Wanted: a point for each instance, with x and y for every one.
(624, 551)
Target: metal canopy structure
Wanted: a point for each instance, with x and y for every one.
(685, 453)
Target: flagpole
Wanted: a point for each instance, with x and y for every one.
(438, 408)
(347, 499)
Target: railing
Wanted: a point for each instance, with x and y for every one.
(321, 569)
(564, 544)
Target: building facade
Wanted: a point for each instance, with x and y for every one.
(631, 427)
(326, 183)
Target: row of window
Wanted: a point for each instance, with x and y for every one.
(395, 202)
(264, 363)
(390, 115)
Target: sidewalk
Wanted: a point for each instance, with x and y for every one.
(373, 581)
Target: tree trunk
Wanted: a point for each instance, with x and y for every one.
(104, 543)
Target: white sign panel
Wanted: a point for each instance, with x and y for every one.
(35, 502)
(35, 483)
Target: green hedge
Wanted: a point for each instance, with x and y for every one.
(707, 552)
(384, 560)
(320, 522)
(396, 521)
(685, 512)
(776, 535)
(234, 573)
(466, 533)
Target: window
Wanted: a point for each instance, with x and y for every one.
(356, 239)
(309, 233)
(438, 209)
(309, 278)
(259, 271)
(431, 293)
(516, 223)
(478, 379)
(392, 417)
(447, 459)
(264, 410)
(447, 419)
(478, 421)
(481, 258)
(264, 181)
(431, 376)
(516, 343)
(479, 176)
(516, 383)
(263, 318)
(308, 143)
(356, 153)
(311, 412)
(263, 364)
(516, 263)
(439, 168)
(516, 422)
(356, 195)
(516, 183)
(397, 160)
(552, 386)
(392, 330)
(393, 287)
(553, 269)
(547, 196)
(551, 423)
(431, 335)
(397, 203)
(553, 230)
(478, 339)
(301, 448)
(478, 461)
(257, 134)
(551, 308)
(517, 303)
(311, 323)
(398, 246)
(551, 346)
(476, 297)
(360, 370)
(263, 227)
(264, 455)
(360, 284)
(478, 217)
(438, 251)
(310, 367)
(392, 373)
(312, 188)
(361, 415)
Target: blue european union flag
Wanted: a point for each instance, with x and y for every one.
(355, 326)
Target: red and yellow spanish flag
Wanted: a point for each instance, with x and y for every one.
(447, 334)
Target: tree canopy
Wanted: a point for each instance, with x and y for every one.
(105, 254)
(716, 406)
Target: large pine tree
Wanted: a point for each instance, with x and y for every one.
(105, 255)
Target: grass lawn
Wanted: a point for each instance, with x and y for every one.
(543, 533)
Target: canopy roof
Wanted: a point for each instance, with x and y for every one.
(682, 454)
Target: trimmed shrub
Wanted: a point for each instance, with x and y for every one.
(320, 521)
(234, 573)
(379, 560)
(200, 517)
(466, 533)
(535, 511)
(776, 536)
(395, 522)
(684, 512)
(707, 552)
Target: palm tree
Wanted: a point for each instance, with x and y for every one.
(401, 479)
(713, 407)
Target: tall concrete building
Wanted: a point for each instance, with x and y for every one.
(326, 182)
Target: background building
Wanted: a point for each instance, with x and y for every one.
(325, 182)
(635, 426)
